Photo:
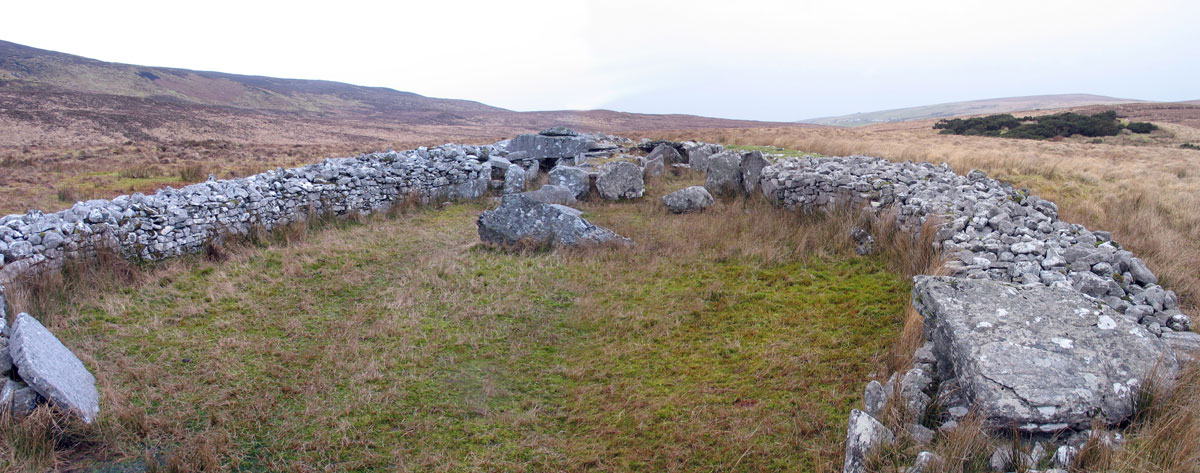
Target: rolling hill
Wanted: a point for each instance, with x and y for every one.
(50, 98)
(972, 107)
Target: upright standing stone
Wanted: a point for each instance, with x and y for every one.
(862, 436)
(752, 166)
(514, 180)
(724, 176)
(52, 370)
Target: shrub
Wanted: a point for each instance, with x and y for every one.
(1036, 128)
(1141, 127)
(192, 173)
(1189, 146)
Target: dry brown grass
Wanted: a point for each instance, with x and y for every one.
(1147, 196)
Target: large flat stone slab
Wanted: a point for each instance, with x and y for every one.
(49, 367)
(522, 220)
(1037, 358)
(545, 147)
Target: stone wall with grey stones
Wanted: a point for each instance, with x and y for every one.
(173, 222)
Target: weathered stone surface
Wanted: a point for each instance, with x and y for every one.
(543, 147)
(699, 155)
(571, 177)
(863, 435)
(1037, 358)
(688, 199)
(51, 369)
(724, 174)
(6, 364)
(24, 401)
(620, 180)
(654, 166)
(667, 153)
(552, 194)
(558, 131)
(514, 180)
(752, 166)
(874, 398)
(522, 220)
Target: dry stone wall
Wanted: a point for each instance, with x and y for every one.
(173, 222)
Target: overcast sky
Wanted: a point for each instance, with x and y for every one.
(732, 58)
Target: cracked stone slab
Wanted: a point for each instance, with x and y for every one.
(51, 369)
(1041, 359)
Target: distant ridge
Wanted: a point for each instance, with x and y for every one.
(52, 98)
(971, 107)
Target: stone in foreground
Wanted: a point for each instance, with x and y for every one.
(52, 370)
(862, 436)
(688, 199)
(522, 220)
(1037, 358)
(620, 180)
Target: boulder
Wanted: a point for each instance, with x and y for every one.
(571, 177)
(1037, 358)
(52, 370)
(552, 194)
(620, 180)
(874, 398)
(698, 155)
(724, 174)
(654, 166)
(667, 153)
(689, 199)
(752, 166)
(514, 180)
(551, 146)
(862, 436)
(499, 166)
(522, 220)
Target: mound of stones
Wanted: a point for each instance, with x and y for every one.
(37, 368)
(525, 222)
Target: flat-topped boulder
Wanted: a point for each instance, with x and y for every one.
(557, 142)
(552, 194)
(521, 220)
(51, 370)
(1037, 358)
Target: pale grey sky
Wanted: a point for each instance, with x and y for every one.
(768, 60)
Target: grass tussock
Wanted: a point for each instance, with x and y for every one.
(193, 173)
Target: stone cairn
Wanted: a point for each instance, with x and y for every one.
(1041, 326)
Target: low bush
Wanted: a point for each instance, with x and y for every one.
(1043, 127)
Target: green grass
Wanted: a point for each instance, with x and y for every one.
(791, 153)
(402, 345)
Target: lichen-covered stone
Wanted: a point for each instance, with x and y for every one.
(688, 199)
(522, 220)
(49, 367)
(619, 180)
(1040, 359)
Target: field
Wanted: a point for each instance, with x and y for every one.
(735, 340)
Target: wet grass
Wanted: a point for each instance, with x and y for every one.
(734, 340)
